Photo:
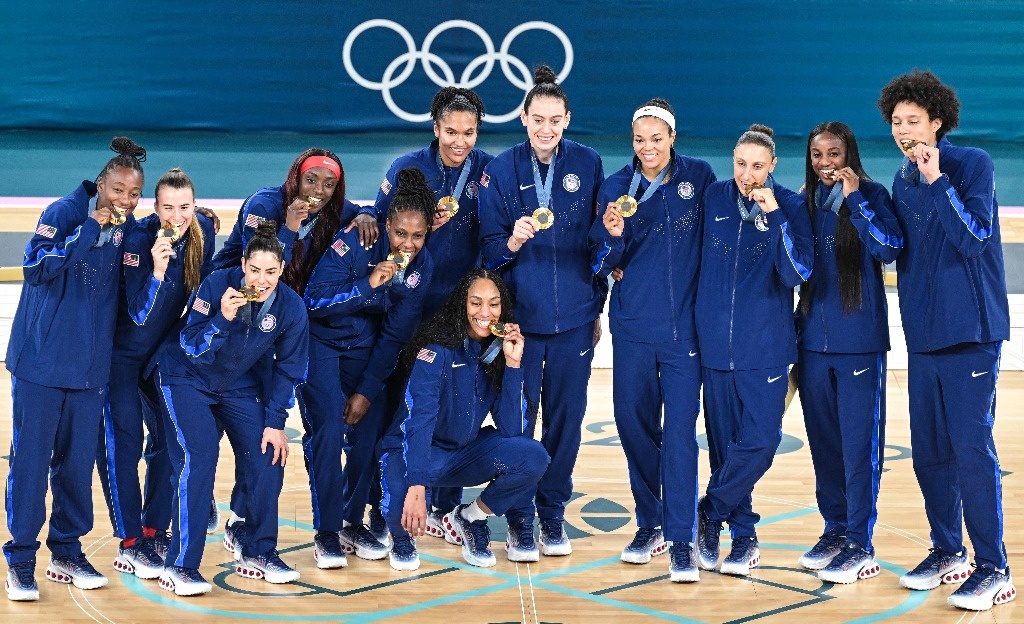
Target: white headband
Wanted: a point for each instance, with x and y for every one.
(656, 111)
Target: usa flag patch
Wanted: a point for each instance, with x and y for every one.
(46, 230)
(340, 247)
(426, 355)
(485, 180)
(385, 186)
(131, 259)
(201, 306)
(253, 221)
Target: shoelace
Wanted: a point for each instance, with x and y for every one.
(827, 542)
(552, 527)
(329, 542)
(25, 571)
(524, 534)
(80, 562)
(481, 534)
(403, 546)
(146, 551)
(273, 560)
(934, 558)
(680, 554)
(190, 575)
(643, 536)
(743, 542)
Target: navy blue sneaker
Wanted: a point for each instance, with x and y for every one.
(708, 534)
(475, 536)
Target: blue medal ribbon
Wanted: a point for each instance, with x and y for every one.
(308, 227)
(833, 201)
(635, 183)
(463, 177)
(543, 191)
(750, 214)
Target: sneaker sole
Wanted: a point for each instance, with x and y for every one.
(741, 569)
(1005, 593)
(816, 564)
(521, 556)
(59, 576)
(256, 573)
(870, 569)
(556, 550)
(686, 576)
(325, 562)
(448, 531)
(143, 572)
(364, 553)
(20, 595)
(958, 574)
(641, 558)
(195, 590)
(405, 566)
(472, 558)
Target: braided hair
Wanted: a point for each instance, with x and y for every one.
(193, 261)
(455, 100)
(300, 267)
(413, 194)
(545, 86)
(129, 156)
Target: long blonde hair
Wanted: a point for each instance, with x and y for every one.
(193, 260)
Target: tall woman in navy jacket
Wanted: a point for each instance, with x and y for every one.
(160, 273)
(952, 288)
(363, 308)
(655, 340)
(460, 374)
(59, 359)
(757, 248)
(843, 334)
(558, 298)
(234, 369)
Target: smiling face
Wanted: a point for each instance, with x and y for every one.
(911, 122)
(545, 121)
(483, 305)
(175, 206)
(652, 143)
(828, 152)
(456, 135)
(262, 271)
(120, 188)
(751, 163)
(407, 231)
(318, 182)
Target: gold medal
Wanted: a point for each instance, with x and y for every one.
(626, 205)
(830, 173)
(400, 258)
(117, 216)
(449, 205)
(251, 293)
(498, 329)
(312, 201)
(172, 232)
(753, 186)
(908, 145)
(544, 217)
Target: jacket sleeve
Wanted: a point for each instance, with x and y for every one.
(509, 409)
(794, 247)
(143, 291)
(259, 208)
(58, 243)
(334, 288)
(400, 321)
(495, 224)
(967, 219)
(206, 329)
(422, 401)
(291, 359)
(605, 249)
(876, 223)
(379, 209)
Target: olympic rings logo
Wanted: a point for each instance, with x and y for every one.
(484, 63)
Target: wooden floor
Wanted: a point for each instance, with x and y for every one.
(589, 586)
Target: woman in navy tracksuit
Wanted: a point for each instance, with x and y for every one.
(952, 289)
(460, 374)
(68, 303)
(558, 298)
(655, 340)
(757, 248)
(234, 369)
(363, 308)
(843, 334)
(159, 277)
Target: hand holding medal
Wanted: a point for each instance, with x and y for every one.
(612, 219)
(512, 342)
(544, 218)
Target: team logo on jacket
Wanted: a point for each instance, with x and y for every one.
(131, 259)
(201, 306)
(118, 237)
(268, 323)
(571, 182)
(253, 221)
(685, 190)
(413, 280)
(485, 180)
(426, 355)
(472, 190)
(340, 247)
(385, 186)
(46, 230)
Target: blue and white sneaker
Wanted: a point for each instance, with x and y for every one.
(184, 581)
(708, 534)
(327, 551)
(356, 538)
(475, 536)
(938, 567)
(403, 554)
(520, 544)
(76, 570)
(851, 564)
(818, 557)
(682, 567)
(986, 587)
(553, 540)
(234, 537)
(268, 567)
(160, 543)
(646, 543)
(140, 560)
(21, 581)
(378, 527)
(743, 556)
(214, 520)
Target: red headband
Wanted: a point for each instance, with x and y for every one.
(320, 161)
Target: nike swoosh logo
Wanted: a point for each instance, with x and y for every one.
(582, 353)
(974, 374)
(454, 365)
(721, 218)
(693, 353)
(370, 264)
(855, 373)
(523, 187)
(774, 379)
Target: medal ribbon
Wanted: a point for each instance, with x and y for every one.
(543, 192)
(635, 184)
(246, 310)
(463, 177)
(834, 200)
(909, 172)
(306, 229)
(750, 214)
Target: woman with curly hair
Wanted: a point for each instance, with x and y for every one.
(466, 364)
(952, 290)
